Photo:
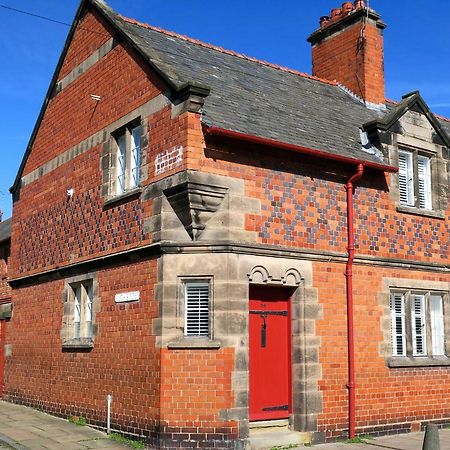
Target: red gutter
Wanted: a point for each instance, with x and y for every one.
(349, 186)
(216, 131)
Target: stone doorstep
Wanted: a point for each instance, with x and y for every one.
(279, 423)
(269, 437)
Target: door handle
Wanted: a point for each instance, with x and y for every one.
(263, 332)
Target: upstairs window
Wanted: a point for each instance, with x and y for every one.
(128, 159)
(414, 179)
(197, 309)
(417, 324)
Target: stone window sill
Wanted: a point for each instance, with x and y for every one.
(418, 361)
(123, 197)
(78, 344)
(420, 212)
(194, 342)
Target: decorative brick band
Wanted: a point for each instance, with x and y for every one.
(85, 65)
(152, 106)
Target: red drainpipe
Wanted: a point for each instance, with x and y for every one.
(349, 186)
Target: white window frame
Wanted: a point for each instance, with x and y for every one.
(127, 146)
(82, 299)
(422, 326)
(195, 316)
(415, 179)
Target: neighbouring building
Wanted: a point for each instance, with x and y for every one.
(217, 241)
(5, 292)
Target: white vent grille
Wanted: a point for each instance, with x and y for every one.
(196, 309)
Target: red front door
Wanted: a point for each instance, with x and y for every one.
(2, 353)
(270, 353)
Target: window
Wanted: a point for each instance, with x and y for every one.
(196, 307)
(127, 142)
(417, 324)
(82, 299)
(414, 179)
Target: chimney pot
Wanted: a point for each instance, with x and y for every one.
(359, 4)
(324, 21)
(347, 8)
(336, 13)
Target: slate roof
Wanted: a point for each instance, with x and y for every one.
(5, 230)
(258, 98)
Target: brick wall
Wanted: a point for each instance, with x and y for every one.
(386, 398)
(124, 361)
(195, 389)
(71, 230)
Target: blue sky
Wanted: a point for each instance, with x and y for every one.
(417, 45)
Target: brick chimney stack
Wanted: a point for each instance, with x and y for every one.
(348, 48)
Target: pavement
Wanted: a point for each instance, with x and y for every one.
(407, 441)
(23, 428)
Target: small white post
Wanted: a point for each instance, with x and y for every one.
(108, 413)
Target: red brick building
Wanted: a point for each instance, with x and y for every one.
(217, 241)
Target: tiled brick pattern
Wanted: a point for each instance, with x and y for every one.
(386, 398)
(191, 400)
(304, 205)
(71, 229)
(41, 374)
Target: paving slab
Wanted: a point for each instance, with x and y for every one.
(407, 441)
(23, 428)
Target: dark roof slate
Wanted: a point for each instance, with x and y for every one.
(258, 99)
(5, 230)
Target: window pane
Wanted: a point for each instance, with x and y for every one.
(121, 163)
(437, 325)
(424, 180)
(398, 325)
(135, 156)
(88, 310)
(76, 311)
(405, 178)
(418, 325)
(197, 309)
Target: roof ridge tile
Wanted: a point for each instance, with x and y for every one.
(226, 51)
